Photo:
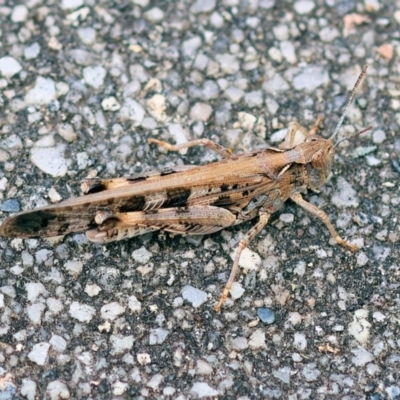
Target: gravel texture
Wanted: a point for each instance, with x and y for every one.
(83, 85)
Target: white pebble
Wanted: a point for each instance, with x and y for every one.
(194, 296)
(39, 353)
(94, 76)
(119, 388)
(361, 357)
(43, 93)
(257, 339)
(310, 78)
(71, 4)
(57, 390)
(234, 94)
(9, 66)
(74, 267)
(28, 389)
(121, 344)
(203, 389)
(51, 160)
(154, 15)
(155, 381)
(249, 259)
(359, 328)
(134, 304)
(87, 35)
(201, 112)
(228, 63)
(303, 7)
(35, 312)
(92, 290)
(34, 290)
(19, 13)
(110, 104)
(237, 290)
(81, 312)
(133, 111)
(157, 336)
(141, 255)
(345, 196)
(111, 311)
(157, 106)
(58, 343)
(300, 341)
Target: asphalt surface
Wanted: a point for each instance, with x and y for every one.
(84, 85)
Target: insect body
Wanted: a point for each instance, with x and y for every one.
(193, 200)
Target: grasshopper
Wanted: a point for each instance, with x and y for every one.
(195, 200)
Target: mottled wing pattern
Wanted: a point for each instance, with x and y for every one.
(220, 184)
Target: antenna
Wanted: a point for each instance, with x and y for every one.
(368, 128)
(349, 100)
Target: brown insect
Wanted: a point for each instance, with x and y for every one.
(195, 200)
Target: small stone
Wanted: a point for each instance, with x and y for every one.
(111, 311)
(328, 34)
(156, 107)
(257, 339)
(71, 4)
(311, 373)
(360, 327)
(266, 315)
(254, 99)
(310, 78)
(194, 296)
(57, 390)
(283, 374)
(300, 341)
(379, 136)
(121, 344)
(133, 111)
(142, 256)
(35, 312)
(143, 358)
(10, 205)
(28, 389)
(66, 131)
(58, 343)
(303, 7)
(287, 218)
(203, 6)
(110, 104)
(288, 51)
(237, 290)
(203, 368)
(9, 66)
(134, 304)
(42, 94)
(34, 290)
(239, 343)
(372, 161)
(233, 94)
(201, 112)
(154, 15)
(158, 336)
(51, 160)
(81, 312)
(94, 76)
(345, 196)
(203, 389)
(119, 388)
(249, 260)
(92, 290)
(19, 13)
(87, 35)
(39, 353)
(361, 357)
(74, 267)
(228, 63)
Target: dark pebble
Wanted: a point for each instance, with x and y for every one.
(266, 315)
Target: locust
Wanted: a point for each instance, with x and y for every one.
(196, 200)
